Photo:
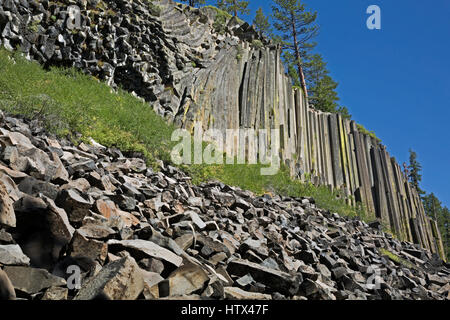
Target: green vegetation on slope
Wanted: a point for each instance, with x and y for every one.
(68, 102)
(397, 259)
(371, 134)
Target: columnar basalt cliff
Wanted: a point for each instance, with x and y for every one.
(202, 65)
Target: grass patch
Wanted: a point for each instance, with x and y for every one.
(68, 102)
(397, 259)
(248, 177)
(257, 44)
(371, 134)
(221, 20)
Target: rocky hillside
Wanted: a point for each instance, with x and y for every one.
(138, 234)
(168, 53)
(203, 65)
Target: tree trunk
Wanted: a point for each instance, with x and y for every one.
(297, 56)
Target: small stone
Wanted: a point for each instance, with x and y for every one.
(76, 206)
(196, 219)
(118, 280)
(32, 280)
(7, 215)
(96, 231)
(185, 241)
(81, 246)
(232, 293)
(56, 294)
(275, 280)
(148, 248)
(12, 255)
(187, 279)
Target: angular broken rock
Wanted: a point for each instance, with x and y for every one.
(109, 210)
(12, 255)
(119, 280)
(81, 246)
(12, 173)
(185, 241)
(196, 219)
(276, 281)
(7, 215)
(32, 280)
(148, 248)
(11, 187)
(232, 293)
(58, 220)
(255, 245)
(56, 293)
(96, 231)
(76, 206)
(60, 175)
(187, 279)
(6, 287)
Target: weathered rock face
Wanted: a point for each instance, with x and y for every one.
(119, 280)
(210, 241)
(193, 65)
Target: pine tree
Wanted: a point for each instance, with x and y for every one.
(261, 22)
(445, 231)
(415, 168)
(298, 28)
(432, 206)
(321, 87)
(433, 209)
(194, 3)
(234, 7)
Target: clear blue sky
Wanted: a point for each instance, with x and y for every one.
(395, 81)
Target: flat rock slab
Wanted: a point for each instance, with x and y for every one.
(150, 249)
(81, 246)
(119, 280)
(32, 280)
(277, 281)
(6, 287)
(232, 293)
(12, 255)
(7, 215)
(187, 280)
(96, 231)
(56, 293)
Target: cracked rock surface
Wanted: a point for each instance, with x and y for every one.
(167, 238)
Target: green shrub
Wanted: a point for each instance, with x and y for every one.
(367, 132)
(397, 259)
(257, 44)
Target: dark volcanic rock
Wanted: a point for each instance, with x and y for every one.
(145, 234)
(119, 280)
(274, 279)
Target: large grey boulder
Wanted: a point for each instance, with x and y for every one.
(6, 287)
(148, 248)
(32, 280)
(12, 255)
(118, 280)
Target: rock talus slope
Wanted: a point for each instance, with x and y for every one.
(133, 233)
